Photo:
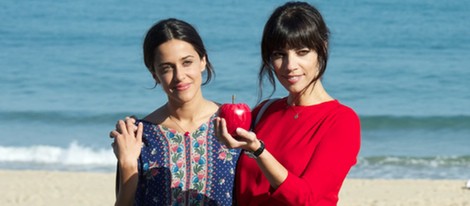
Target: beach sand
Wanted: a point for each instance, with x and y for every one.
(371, 192)
(74, 188)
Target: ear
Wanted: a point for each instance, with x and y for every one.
(203, 63)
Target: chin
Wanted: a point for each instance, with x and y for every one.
(293, 89)
(182, 96)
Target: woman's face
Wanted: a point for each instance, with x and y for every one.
(295, 68)
(178, 68)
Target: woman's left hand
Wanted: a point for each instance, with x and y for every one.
(246, 140)
(127, 141)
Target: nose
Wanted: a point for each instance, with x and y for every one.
(179, 74)
(290, 61)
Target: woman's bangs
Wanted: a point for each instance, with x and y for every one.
(292, 36)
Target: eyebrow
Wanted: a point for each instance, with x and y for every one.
(187, 57)
(184, 58)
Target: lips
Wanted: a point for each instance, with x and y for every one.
(182, 87)
(293, 78)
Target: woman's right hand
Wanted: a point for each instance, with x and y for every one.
(127, 146)
(246, 140)
(274, 171)
(127, 142)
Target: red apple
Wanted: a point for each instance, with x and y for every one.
(236, 115)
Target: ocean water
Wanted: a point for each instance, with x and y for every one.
(70, 69)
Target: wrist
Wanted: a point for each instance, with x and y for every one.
(254, 146)
(126, 165)
(255, 153)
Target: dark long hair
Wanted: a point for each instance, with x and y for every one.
(169, 29)
(293, 25)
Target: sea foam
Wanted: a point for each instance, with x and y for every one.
(73, 157)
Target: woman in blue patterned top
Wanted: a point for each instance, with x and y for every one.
(179, 160)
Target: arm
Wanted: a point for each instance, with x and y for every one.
(321, 181)
(127, 146)
(272, 169)
(127, 185)
(322, 178)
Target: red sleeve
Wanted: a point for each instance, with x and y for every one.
(334, 156)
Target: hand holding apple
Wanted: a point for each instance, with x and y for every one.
(236, 115)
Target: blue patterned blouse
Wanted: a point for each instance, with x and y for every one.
(185, 169)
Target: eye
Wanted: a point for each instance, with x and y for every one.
(165, 69)
(303, 52)
(277, 55)
(187, 63)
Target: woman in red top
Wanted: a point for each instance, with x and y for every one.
(304, 144)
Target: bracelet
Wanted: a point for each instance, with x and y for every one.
(255, 154)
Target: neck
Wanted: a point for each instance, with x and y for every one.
(188, 111)
(189, 116)
(315, 94)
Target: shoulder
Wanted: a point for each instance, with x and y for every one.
(344, 118)
(341, 117)
(156, 117)
(343, 125)
(266, 103)
(343, 111)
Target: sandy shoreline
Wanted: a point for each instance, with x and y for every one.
(369, 192)
(78, 188)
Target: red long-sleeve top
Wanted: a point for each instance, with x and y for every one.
(318, 149)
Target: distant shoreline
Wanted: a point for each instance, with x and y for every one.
(30, 187)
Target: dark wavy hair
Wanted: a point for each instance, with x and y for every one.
(293, 25)
(169, 29)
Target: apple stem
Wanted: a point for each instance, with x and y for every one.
(233, 99)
